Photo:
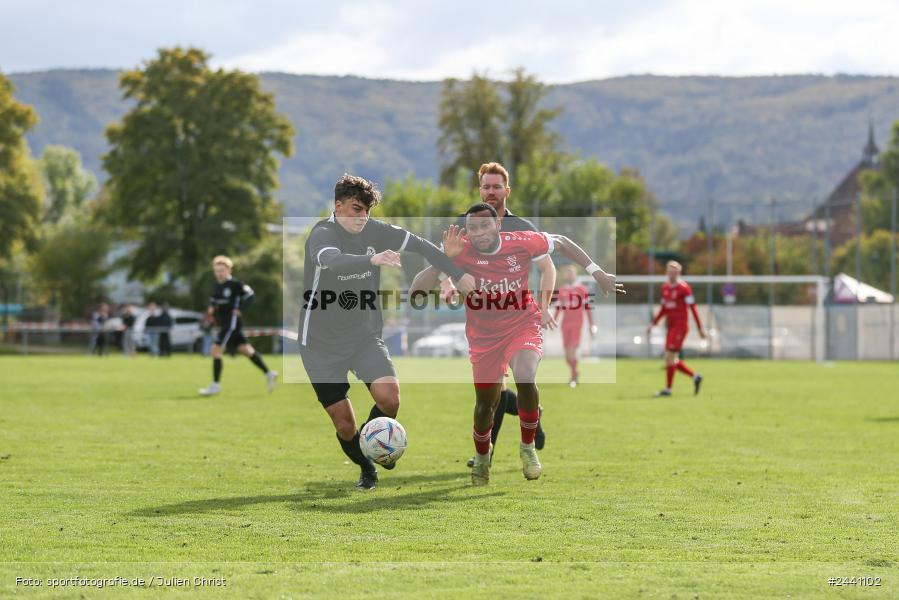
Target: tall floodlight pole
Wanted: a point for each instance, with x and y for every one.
(772, 251)
(827, 239)
(858, 237)
(651, 268)
(893, 275)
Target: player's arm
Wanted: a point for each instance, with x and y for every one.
(245, 297)
(438, 259)
(323, 246)
(425, 280)
(606, 281)
(691, 302)
(657, 318)
(547, 285)
(586, 308)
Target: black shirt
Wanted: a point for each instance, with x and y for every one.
(228, 296)
(509, 222)
(340, 285)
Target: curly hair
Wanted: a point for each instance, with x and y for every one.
(353, 187)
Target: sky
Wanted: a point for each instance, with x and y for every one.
(561, 41)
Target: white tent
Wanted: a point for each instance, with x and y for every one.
(849, 290)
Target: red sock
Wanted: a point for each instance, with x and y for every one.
(573, 364)
(683, 368)
(528, 421)
(482, 440)
(669, 375)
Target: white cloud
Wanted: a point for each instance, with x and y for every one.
(407, 39)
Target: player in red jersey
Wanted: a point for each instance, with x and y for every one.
(676, 297)
(503, 321)
(573, 303)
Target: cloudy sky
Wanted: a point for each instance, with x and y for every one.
(560, 41)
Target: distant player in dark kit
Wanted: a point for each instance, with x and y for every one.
(340, 321)
(573, 304)
(229, 299)
(676, 297)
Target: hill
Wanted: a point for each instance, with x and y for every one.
(739, 140)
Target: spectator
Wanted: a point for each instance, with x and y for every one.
(98, 325)
(165, 323)
(128, 330)
(151, 328)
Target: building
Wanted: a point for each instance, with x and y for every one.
(837, 213)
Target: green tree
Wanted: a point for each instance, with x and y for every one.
(526, 123)
(67, 182)
(192, 165)
(21, 194)
(470, 126)
(483, 120)
(875, 250)
(879, 187)
(71, 263)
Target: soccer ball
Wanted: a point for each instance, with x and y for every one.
(383, 440)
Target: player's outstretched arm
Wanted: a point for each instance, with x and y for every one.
(425, 280)
(606, 281)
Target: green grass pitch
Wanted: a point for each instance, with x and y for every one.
(779, 476)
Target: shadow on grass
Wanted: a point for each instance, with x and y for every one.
(883, 419)
(341, 497)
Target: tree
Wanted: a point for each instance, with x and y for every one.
(879, 187)
(67, 182)
(470, 126)
(192, 166)
(482, 120)
(71, 263)
(875, 249)
(526, 123)
(21, 194)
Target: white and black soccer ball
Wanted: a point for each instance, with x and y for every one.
(383, 440)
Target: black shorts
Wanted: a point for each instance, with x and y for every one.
(230, 338)
(368, 359)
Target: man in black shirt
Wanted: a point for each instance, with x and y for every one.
(229, 299)
(340, 321)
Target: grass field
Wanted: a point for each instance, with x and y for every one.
(777, 477)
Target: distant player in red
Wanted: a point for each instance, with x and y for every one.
(676, 297)
(504, 322)
(573, 303)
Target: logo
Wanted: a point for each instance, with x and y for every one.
(347, 300)
(512, 260)
(354, 276)
(226, 292)
(483, 262)
(369, 251)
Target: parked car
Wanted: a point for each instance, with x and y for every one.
(447, 340)
(185, 333)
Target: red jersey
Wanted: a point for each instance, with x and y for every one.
(675, 300)
(506, 303)
(574, 302)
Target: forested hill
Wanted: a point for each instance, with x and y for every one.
(740, 140)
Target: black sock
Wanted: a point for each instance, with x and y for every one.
(257, 360)
(498, 416)
(216, 369)
(354, 453)
(511, 399)
(374, 413)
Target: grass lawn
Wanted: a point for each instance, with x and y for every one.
(777, 477)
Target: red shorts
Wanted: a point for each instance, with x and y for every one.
(675, 340)
(571, 336)
(490, 357)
